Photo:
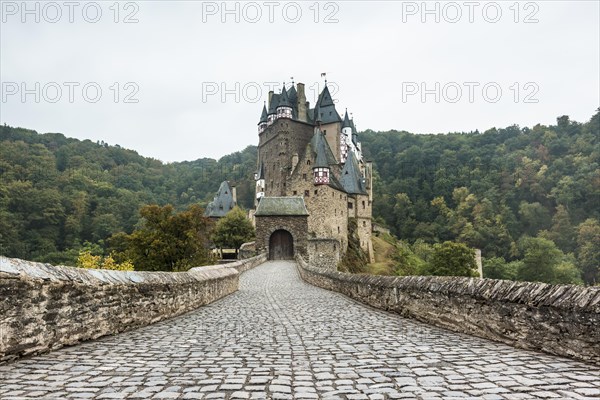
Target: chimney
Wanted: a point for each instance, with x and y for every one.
(234, 194)
(302, 104)
(270, 97)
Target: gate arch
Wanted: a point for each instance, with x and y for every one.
(281, 245)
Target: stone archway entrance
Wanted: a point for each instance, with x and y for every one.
(281, 245)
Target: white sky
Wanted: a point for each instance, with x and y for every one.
(377, 54)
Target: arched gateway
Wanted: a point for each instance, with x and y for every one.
(281, 245)
(281, 227)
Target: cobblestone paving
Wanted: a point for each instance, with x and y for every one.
(279, 338)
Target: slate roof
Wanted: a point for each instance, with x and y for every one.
(323, 155)
(281, 206)
(263, 116)
(222, 203)
(324, 110)
(346, 123)
(284, 101)
(273, 104)
(351, 178)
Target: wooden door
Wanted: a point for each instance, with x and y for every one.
(281, 246)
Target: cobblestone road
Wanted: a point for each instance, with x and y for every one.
(279, 338)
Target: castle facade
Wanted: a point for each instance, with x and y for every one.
(313, 186)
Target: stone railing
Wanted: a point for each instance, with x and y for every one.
(45, 307)
(558, 319)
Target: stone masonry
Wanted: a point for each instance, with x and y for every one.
(558, 319)
(295, 225)
(45, 307)
(281, 338)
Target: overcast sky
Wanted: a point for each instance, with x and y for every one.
(185, 80)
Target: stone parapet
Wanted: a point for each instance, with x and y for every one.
(45, 307)
(562, 320)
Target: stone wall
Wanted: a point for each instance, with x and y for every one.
(297, 226)
(558, 319)
(45, 307)
(324, 253)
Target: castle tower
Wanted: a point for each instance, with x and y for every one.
(345, 138)
(284, 107)
(310, 157)
(262, 124)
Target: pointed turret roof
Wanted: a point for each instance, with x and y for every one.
(222, 203)
(354, 133)
(293, 95)
(324, 110)
(323, 155)
(263, 116)
(325, 98)
(351, 178)
(346, 123)
(284, 101)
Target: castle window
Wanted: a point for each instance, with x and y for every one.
(350, 205)
(338, 232)
(295, 192)
(324, 131)
(363, 204)
(306, 193)
(316, 192)
(307, 162)
(364, 223)
(304, 176)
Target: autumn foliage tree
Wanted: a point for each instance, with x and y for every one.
(167, 241)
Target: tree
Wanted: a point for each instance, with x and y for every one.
(87, 260)
(168, 241)
(588, 254)
(233, 230)
(452, 259)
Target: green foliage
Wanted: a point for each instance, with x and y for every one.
(57, 193)
(166, 241)
(406, 261)
(490, 189)
(588, 252)
(233, 230)
(452, 259)
(355, 260)
(544, 262)
(498, 268)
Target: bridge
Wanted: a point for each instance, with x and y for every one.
(278, 337)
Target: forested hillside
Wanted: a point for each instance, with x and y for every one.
(495, 190)
(514, 193)
(57, 193)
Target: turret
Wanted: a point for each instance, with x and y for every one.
(284, 108)
(321, 172)
(259, 177)
(262, 124)
(272, 110)
(346, 138)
